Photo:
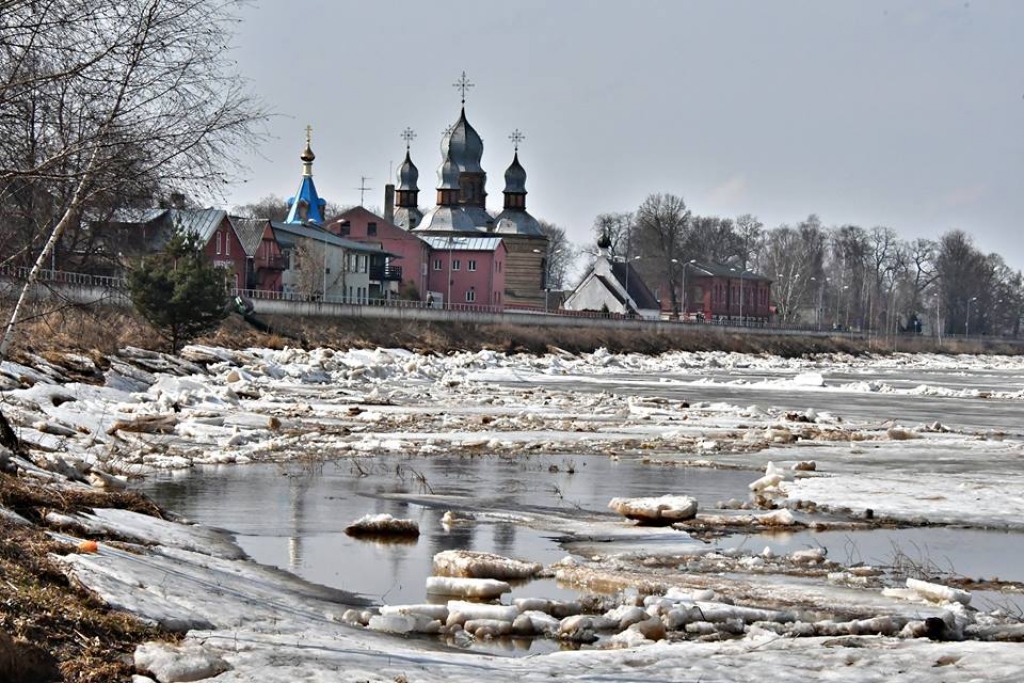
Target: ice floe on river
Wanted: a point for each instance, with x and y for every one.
(671, 609)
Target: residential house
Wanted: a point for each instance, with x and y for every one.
(717, 291)
(466, 270)
(265, 261)
(321, 265)
(405, 269)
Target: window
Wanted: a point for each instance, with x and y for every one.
(218, 243)
(471, 265)
(371, 228)
(437, 264)
(344, 228)
(227, 245)
(456, 264)
(471, 296)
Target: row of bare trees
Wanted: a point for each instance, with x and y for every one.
(832, 277)
(105, 104)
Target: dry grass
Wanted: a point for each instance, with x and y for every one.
(90, 642)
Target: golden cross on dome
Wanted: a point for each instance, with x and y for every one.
(408, 135)
(309, 133)
(463, 84)
(517, 137)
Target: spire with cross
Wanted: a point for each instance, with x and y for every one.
(462, 85)
(309, 134)
(408, 135)
(516, 137)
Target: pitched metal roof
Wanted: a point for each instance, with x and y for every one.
(631, 281)
(723, 270)
(250, 232)
(201, 222)
(287, 232)
(444, 243)
(134, 215)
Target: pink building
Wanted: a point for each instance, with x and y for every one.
(466, 270)
(408, 264)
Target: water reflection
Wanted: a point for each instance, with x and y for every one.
(292, 517)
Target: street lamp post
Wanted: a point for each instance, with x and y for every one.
(682, 284)
(967, 323)
(451, 242)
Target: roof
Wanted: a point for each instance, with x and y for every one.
(444, 243)
(201, 222)
(250, 232)
(517, 222)
(629, 279)
(134, 215)
(306, 193)
(463, 145)
(287, 232)
(711, 268)
(448, 219)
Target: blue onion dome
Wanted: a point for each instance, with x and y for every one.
(408, 175)
(464, 146)
(515, 177)
(448, 176)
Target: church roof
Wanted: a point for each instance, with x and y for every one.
(515, 177)
(463, 145)
(625, 274)
(517, 222)
(408, 175)
(306, 194)
(448, 219)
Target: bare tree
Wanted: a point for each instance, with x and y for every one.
(560, 256)
(618, 229)
(663, 227)
(136, 93)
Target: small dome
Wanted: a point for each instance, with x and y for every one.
(448, 176)
(307, 154)
(604, 242)
(408, 175)
(515, 177)
(463, 145)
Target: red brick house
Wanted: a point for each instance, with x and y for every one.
(264, 259)
(717, 291)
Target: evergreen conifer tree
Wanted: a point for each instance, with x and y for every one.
(178, 291)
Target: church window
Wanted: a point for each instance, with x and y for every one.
(218, 243)
(227, 245)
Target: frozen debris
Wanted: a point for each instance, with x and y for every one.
(805, 466)
(403, 623)
(383, 525)
(776, 518)
(901, 434)
(428, 611)
(487, 628)
(172, 663)
(534, 622)
(771, 479)
(577, 629)
(935, 592)
(660, 510)
(555, 608)
(479, 565)
(809, 556)
(107, 482)
(461, 611)
(809, 379)
(483, 589)
(354, 617)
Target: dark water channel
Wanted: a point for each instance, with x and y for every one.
(293, 516)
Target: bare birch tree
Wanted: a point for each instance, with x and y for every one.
(126, 94)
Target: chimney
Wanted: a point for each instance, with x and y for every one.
(490, 225)
(389, 203)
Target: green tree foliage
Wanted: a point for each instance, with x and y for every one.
(178, 291)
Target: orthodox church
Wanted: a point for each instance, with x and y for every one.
(460, 211)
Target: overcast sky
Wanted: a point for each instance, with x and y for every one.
(897, 113)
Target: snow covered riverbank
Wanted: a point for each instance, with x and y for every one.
(141, 411)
